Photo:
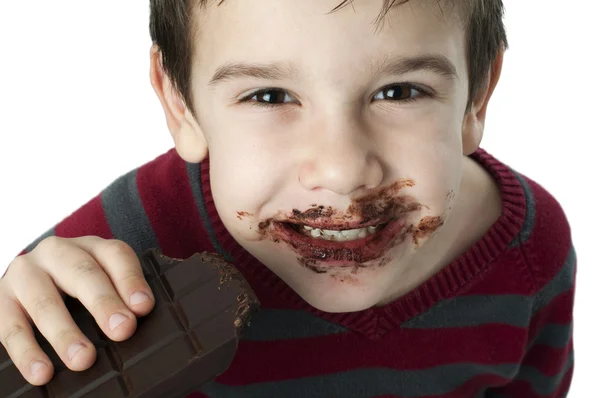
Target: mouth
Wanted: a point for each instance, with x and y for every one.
(337, 235)
(350, 244)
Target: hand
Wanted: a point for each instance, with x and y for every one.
(104, 275)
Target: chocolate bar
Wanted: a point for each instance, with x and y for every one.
(191, 336)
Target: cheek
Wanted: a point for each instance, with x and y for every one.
(246, 172)
(430, 153)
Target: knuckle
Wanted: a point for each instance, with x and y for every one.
(43, 303)
(132, 277)
(50, 244)
(12, 333)
(105, 303)
(66, 336)
(118, 247)
(28, 352)
(85, 268)
(18, 264)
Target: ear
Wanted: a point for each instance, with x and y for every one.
(474, 121)
(190, 142)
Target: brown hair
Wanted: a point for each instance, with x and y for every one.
(172, 29)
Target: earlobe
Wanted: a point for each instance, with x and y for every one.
(474, 120)
(188, 137)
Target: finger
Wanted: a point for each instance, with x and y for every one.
(78, 274)
(39, 296)
(16, 335)
(125, 271)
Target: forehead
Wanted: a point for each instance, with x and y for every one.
(306, 33)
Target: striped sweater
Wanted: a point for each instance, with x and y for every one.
(496, 322)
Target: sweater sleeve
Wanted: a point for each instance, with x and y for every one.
(546, 368)
(158, 205)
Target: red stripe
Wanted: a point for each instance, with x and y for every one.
(516, 389)
(559, 311)
(87, 220)
(167, 197)
(197, 394)
(426, 348)
(565, 384)
(509, 276)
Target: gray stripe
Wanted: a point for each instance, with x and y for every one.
(465, 311)
(274, 325)
(271, 325)
(529, 223)
(32, 245)
(364, 383)
(514, 310)
(193, 171)
(492, 394)
(126, 215)
(542, 384)
(553, 335)
(561, 283)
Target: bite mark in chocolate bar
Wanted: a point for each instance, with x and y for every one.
(203, 304)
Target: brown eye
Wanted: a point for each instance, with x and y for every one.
(398, 93)
(271, 97)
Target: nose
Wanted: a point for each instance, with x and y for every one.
(341, 160)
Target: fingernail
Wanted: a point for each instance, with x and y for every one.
(37, 367)
(115, 320)
(138, 298)
(74, 349)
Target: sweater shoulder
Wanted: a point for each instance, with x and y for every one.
(545, 239)
(159, 204)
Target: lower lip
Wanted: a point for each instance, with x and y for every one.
(332, 253)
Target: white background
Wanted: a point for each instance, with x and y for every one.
(77, 111)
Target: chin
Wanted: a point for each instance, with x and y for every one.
(339, 295)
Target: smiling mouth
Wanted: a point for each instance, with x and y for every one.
(339, 245)
(337, 235)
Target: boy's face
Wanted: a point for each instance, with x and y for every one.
(321, 120)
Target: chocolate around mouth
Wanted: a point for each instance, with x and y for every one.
(339, 253)
(383, 206)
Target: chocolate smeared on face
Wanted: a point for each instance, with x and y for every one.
(426, 227)
(383, 208)
(385, 201)
(314, 213)
(242, 214)
(450, 198)
(312, 265)
(382, 204)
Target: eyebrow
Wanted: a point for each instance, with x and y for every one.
(270, 71)
(435, 63)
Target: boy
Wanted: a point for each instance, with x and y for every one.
(392, 256)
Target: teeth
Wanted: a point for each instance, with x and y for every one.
(315, 233)
(340, 236)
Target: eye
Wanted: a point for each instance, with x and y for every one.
(269, 97)
(400, 93)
